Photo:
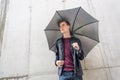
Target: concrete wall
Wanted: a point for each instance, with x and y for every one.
(25, 51)
(14, 58)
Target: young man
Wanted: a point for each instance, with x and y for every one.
(69, 52)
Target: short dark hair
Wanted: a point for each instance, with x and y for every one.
(63, 20)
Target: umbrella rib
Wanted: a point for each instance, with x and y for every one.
(87, 36)
(75, 18)
(84, 25)
(52, 30)
(52, 45)
(59, 15)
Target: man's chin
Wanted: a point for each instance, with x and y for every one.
(62, 32)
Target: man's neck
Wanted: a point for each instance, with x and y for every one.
(67, 35)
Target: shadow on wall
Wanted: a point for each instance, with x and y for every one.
(3, 10)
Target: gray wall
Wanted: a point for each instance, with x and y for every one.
(25, 50)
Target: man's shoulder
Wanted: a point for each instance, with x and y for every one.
(75, 38)
(58, 40)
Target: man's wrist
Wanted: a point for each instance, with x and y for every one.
(79, 50)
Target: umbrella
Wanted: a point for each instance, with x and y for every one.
(82, 25)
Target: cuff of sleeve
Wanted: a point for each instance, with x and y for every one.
(79, 51)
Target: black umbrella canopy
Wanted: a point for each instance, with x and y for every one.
(82, 25)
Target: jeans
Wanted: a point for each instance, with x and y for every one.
(69, 75)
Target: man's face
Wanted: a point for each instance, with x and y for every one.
(64, 27)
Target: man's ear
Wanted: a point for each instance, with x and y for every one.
(69, 27)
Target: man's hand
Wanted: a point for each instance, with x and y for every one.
(76, 46)
(60, 63)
